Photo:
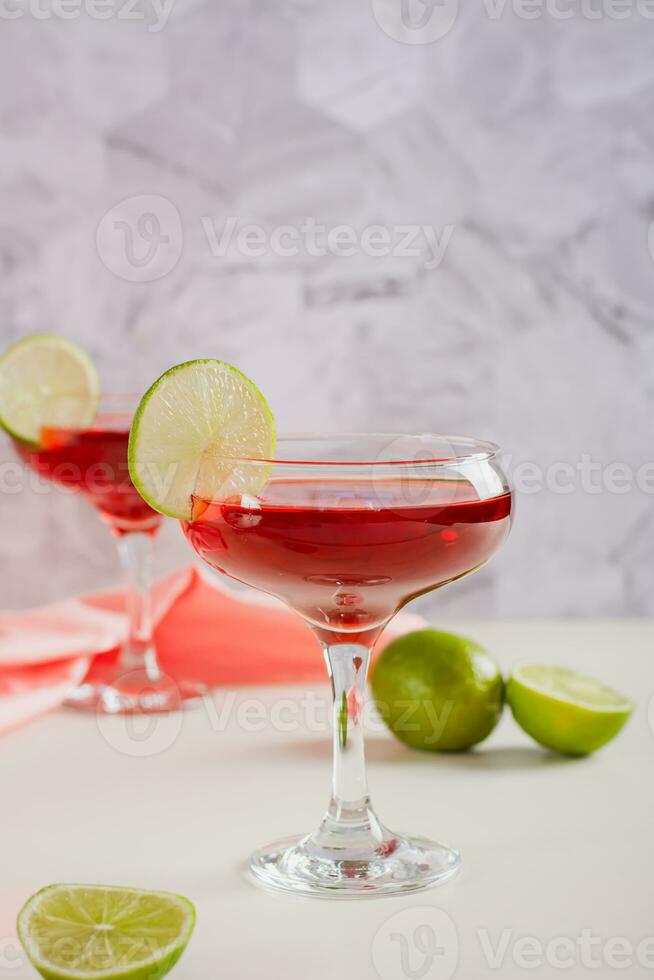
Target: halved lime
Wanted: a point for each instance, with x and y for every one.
(89, 931)
(46, 382)
(565, 711)
(192, 430)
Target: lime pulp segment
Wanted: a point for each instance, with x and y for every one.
(567, 685)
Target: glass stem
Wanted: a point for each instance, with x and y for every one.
(350, 824)
(138, 653)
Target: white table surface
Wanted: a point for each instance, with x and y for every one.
(551, 847)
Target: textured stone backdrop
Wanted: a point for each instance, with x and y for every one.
(524, 144)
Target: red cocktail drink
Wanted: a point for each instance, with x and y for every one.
(347, 554)
(94, 462)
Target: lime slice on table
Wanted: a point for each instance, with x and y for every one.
(46, 382)
(188, 434)
(104, 931)
(565, 711)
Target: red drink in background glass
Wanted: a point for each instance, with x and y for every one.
(94, 462)
(348, 554)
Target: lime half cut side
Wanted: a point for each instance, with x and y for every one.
(565, 711)
(46, 382)
(191, 434)
(88, 931)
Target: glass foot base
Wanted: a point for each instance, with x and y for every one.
(399, 865)
(136, 693)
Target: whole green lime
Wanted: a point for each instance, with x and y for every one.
(438, 691)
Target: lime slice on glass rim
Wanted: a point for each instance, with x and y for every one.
(189, 432)
(46, 382)
(88, 931)
(565, 711)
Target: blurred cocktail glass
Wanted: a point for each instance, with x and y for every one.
(93, 461)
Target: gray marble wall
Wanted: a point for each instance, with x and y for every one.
(513, 138)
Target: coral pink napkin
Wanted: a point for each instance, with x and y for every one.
(204, 631)
(47, 651)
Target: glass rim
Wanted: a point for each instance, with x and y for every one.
(482, 450)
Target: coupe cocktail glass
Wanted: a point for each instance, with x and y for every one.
(93, 461)
(347, 529)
